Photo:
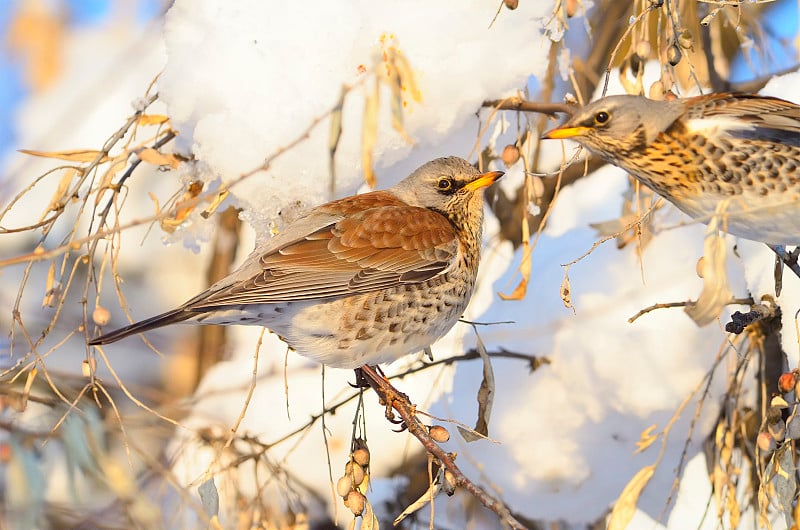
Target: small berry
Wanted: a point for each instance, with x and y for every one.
(439, 433)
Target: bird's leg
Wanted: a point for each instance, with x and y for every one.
(361, 379)
(386, 391)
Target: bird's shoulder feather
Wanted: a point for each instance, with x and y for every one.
(353, 245)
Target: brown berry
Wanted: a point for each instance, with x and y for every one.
(643, 49)
(510, 155)
(356, 501)
(571, 7)
(766, 442)
(439, 433)
(355, 472)
(344, 486)
(101, 315)
(511, 4)
(787, 381)
(361, 456)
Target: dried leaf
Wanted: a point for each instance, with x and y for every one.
(216, 202)
(152, 119)
(485, 396)
(565, 291)
(369, 134)
(434, 488)
(151, 156)
(209, 497)
(26, 391)
(716, 293)
(525, 267)
(625, 507)
(368, 519)
(646, 439)
(732, 508)
(785, 481)
(74, 155)
(404, 71)
(59, 199)
(395, 81)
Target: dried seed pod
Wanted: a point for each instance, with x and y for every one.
(510, 155)
(88, 366)
(766, 442)
(674, 54)
(537, 187)
(439, 433)
(657, 91)
(643, 49)
(787, 381)
(511, 4)
(356, 502)
(685, 40)
(101, 315)
(701, 263)
(355, 472)
(344, 486)
(361, 456)
(778, 402)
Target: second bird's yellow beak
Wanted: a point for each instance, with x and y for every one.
(561, 133)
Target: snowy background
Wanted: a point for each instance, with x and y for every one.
(240, 81)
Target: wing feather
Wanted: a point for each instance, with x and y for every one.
(375, 248)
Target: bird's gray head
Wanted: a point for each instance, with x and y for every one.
(615, 125)
(448, 185)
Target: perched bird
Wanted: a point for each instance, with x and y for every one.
(736, 155)
(361, 280)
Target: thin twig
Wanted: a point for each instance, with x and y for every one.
(407, 413)
(523, 105)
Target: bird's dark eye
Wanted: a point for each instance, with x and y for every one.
(445, 184)
(601, 117)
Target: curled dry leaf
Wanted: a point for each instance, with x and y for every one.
(74, 155)
(152, 156)
(525, 267)
(647, 438)
(152, 119)
(716, 293)
(625, 507)
(566, 296)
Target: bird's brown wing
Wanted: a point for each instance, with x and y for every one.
(763, 117)
(371, 249)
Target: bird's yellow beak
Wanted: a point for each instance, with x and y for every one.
(561, 133)
(487, 179)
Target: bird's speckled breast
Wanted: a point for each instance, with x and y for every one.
(759, 180)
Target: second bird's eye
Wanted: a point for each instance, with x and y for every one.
(601, 117)
(444, 184)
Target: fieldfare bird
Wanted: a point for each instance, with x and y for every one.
(733, 155)
(361, 280)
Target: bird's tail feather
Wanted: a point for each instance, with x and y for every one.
(170, 317)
